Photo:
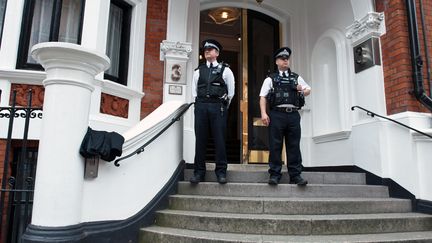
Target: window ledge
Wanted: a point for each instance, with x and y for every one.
(330, 137)
(119, 90)
(17, 76)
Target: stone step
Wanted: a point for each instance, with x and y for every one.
(281, 190)
(295, 224)
(169, 235)
(260, 175)
(304, 206)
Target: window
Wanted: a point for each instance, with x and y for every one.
(48, 20)
(118, 41)
(2, 16)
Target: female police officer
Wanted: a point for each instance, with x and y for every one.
(284, 91)
(213, 89)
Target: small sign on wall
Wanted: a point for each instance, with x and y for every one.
(175, 89)
(175, 72)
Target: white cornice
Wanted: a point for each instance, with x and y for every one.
(370, 25)
(175, 49)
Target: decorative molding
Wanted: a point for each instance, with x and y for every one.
(330, 137)
(181, 50)
(22, 89)
(113, 105)
(370, 25)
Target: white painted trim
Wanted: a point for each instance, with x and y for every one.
(330, 137)
(119, 90)
(11, 33)
(17, 76)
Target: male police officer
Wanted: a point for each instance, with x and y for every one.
(213, 89)
(284, 91)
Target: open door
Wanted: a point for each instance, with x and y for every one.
(260, 40)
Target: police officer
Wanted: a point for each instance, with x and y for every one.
(213, 89)
(284, 91)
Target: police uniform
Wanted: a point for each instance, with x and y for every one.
(280, 90)
(212, 89)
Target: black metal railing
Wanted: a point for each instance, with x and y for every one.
(17, 184)
(372, 114)
(184, 108)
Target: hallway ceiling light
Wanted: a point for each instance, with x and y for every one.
(224, 15)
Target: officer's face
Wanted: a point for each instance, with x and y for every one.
(211, 54)
(282, 63)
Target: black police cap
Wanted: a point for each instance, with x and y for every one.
(210, 43)
(284, 52)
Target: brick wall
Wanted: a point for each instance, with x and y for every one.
(396, 56)
(156, 28)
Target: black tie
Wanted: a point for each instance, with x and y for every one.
(211, 65)
(284, 75)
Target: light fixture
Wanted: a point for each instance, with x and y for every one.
(224, 15)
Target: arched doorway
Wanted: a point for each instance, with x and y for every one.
(249, 39)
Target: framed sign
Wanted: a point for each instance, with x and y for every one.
(175, 89)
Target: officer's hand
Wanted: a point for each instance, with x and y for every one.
(265, 119)
(299, 87)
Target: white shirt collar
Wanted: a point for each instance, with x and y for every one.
(281, 72)
(215, 63)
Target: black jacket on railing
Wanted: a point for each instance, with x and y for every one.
(107, 145)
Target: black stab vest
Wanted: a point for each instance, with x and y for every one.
(284, 90)
(211, 86)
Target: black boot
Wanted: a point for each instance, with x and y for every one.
(299, 181)
(273, 180)
(195, 179)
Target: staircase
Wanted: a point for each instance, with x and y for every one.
(333, 207)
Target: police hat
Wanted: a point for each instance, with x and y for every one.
(283, 52)
(210, 43)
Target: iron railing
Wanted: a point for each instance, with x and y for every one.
(17, 184)
(141, 149)
(372, 114)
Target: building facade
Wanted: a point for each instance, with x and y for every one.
(352, 53)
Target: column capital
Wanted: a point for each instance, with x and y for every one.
(371, 25)
(72, 59)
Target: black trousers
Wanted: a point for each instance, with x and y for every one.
(285, 125)
(209, 116)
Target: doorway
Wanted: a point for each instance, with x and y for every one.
(249, 39)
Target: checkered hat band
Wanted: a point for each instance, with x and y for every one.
(207, 44)
(283, 53)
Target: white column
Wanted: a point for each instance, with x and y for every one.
(70, 71)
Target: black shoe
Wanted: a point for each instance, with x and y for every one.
(195, 179)
(273, 180)
(299, 181)
(222, 179)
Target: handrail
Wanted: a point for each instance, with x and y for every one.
(372, 114)
(141, 149)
